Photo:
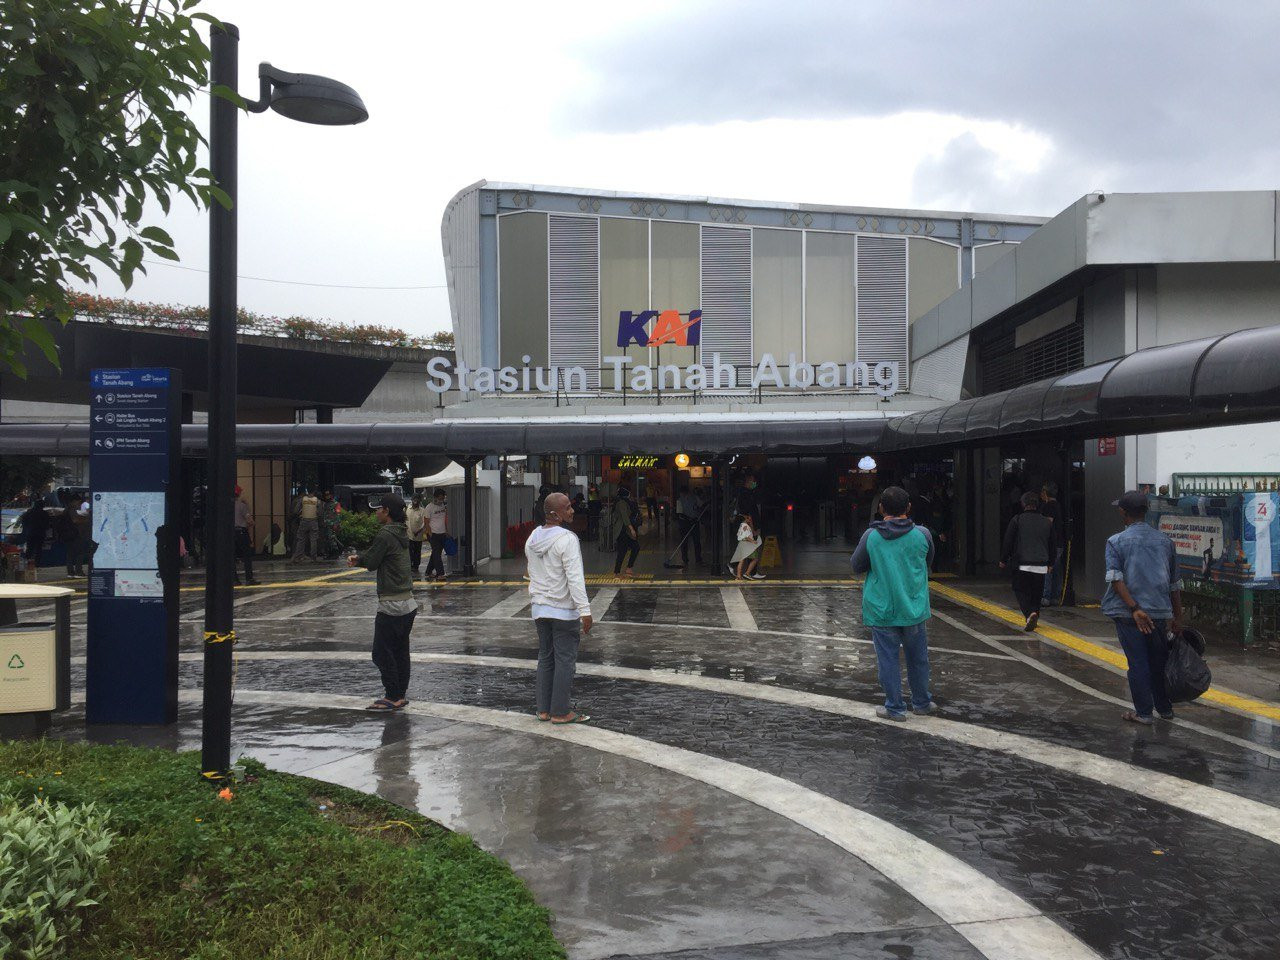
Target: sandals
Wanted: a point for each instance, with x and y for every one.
(576, 718)
(1134, 717)
(381, 705)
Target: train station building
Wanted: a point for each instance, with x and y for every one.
(1129, 341)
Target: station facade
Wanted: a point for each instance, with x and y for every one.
(961, 305)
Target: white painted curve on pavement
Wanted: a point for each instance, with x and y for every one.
(1240, 813)
(999, 924)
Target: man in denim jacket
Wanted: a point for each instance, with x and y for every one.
(1144, 600)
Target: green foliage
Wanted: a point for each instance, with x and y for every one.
(172, 316)
(357, 529)
(93, 95)
(50, 854)
(24, 473)
(269, 873)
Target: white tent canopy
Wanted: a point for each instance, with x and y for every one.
(451, 476)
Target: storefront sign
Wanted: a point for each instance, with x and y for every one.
(682, 461)
(883, 377)
(635, 461)
(1106, 446)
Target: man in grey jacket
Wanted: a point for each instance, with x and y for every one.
(560, 608)
(388, 557)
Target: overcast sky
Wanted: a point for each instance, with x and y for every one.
(1015, 108)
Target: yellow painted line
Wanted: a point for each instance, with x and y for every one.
(1097, 652)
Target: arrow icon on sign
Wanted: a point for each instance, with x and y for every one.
(97, 443)
(97, 418)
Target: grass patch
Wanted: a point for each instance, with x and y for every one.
(269, 874)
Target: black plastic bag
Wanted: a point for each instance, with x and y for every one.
(1186, 675)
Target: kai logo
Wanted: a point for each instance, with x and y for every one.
(668, 327)
(15, 662)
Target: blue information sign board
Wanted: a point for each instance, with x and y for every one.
(134, 459)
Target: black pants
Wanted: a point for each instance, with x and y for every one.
(1028, 588)
(391, 652)
(77, 554)
(244, 551)
(626, 542)
(690, 532)
(436, 563)
(415, 555)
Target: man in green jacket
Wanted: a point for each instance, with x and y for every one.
(388, 557)
(896, 556)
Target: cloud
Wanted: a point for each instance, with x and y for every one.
(1161, 96)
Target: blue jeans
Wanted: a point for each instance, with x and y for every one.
(1147, 654)
(915, 642)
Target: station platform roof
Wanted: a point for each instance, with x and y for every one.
(1198, 383)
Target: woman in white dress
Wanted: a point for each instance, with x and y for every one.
(747, 555)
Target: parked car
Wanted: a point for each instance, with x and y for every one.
(362, 497)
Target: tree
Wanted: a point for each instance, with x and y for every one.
(18, 474)
(92, 125)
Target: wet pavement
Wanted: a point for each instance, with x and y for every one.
(734, 795)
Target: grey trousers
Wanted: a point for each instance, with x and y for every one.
(306, 539)
(557, 661)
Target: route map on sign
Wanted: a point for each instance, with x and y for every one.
(124, 525)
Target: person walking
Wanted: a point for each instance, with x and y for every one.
(896, 556)
(1028, 548)
(747, 553)
(625, 526)
(388, 557)
(243, 538)
(306, 538)
(1144, 601)
(416, 523)
(437, 531)
(689, 508)
(1052, 509)
(559, 606)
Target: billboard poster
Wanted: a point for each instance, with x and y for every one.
(1262, 536)
(1229, 539)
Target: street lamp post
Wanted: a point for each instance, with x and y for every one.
(310, 99)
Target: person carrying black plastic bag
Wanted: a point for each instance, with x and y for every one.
(1144, 601)
(1028, 548)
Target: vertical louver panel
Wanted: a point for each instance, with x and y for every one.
(573, 294)
(726, 294)
(882, 302)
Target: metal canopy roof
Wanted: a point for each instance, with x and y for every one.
(1198, 383)
(459, 438)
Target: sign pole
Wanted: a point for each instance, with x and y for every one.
(219, 635)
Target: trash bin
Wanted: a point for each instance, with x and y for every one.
(35, 658)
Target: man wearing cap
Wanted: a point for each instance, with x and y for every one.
(388, 557)
(1144, 600)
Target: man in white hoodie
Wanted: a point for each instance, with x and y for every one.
(561, 611)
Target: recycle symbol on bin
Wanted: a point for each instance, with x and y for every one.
(15, 662)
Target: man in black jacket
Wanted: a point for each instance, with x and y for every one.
(1028, 547)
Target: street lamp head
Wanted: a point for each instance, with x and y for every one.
(309, 98)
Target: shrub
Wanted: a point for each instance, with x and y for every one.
(357, 529)
(49, 859)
